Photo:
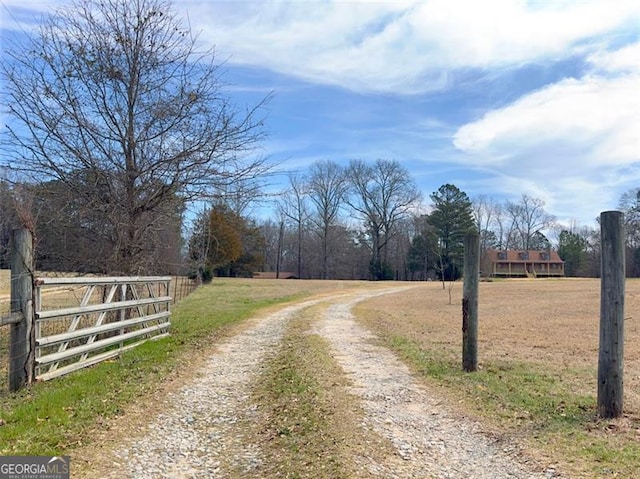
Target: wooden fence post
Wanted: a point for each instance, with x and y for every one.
(470, 302)
(22, 336)
(175, 289)
(610, 357)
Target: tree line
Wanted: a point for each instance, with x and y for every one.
(360, 221)
(369, 221)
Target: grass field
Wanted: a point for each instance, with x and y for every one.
(60, 415)
(538, 355)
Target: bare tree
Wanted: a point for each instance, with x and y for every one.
(487, 214)
(200, 243)
(630, 205)
(293, 206)
(528, 218)
(423, 252)
(504, 228)
(113, 99)
(382, 194)
(327, 187)
(9, 220)
(240, 195)
(399, 245)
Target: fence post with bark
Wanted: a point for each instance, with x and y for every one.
(470, 302)
(611, 354)
(22, 336)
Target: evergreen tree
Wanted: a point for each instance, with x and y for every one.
(539, 242)
(451, 218)
(225, 243)
(572, 248)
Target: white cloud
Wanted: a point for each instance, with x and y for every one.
(405, 46)
(626, 59)
(573, 142)
(595, 112)
(576, 141)
(23, 16)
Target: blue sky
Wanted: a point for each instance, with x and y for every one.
(497, 97)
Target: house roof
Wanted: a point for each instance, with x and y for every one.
(513, 256)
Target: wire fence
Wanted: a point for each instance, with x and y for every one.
(60, 297)
(181, 287)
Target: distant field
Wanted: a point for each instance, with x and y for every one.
(5, 287)
(5, 283)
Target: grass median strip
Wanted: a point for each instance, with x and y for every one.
(310, 425)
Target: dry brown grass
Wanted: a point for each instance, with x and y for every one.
(549, 322)
(549, 328)
(5, 290)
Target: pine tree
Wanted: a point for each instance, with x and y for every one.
(451, 218)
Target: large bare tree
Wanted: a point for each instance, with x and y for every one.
(487, 214)
(383, 194)
(630, 205)
(292, 205)
(528, 219)
(326, 186)
(114, 99)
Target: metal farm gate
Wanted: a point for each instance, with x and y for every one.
(112, 314)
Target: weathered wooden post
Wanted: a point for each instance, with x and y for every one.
(22, 337)
(610, 358)
(175, 289)
(470, 302)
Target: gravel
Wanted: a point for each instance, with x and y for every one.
(197, 435)
(430, 440)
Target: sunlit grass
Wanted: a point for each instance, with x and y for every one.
(55, 416)
(309, 423)
(542, 404)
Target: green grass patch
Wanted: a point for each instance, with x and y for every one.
(307, 416)
(533, 403)
(52, 418)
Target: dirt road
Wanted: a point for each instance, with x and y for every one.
(199, 430)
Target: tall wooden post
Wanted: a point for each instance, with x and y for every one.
(470, 302)
(610, 358)
(22, 336)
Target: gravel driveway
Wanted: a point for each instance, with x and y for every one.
(197, 433)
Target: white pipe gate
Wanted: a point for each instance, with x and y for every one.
(114, 314)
